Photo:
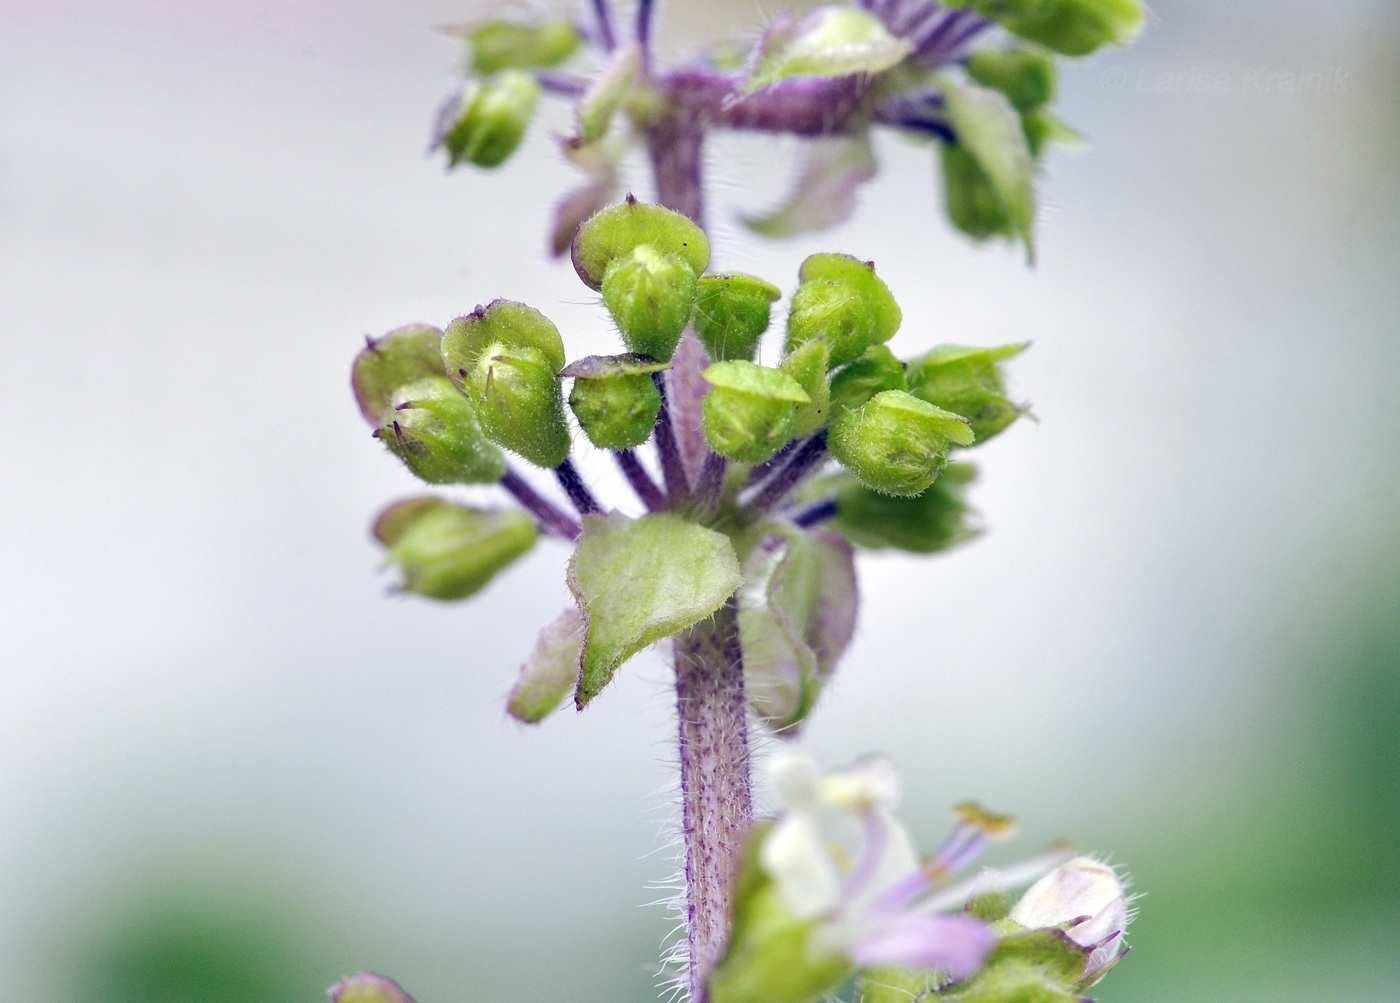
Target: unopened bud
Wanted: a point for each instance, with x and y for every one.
(615, 399)
(972, 201)
(487, 122)
(507, 356)
(649, 295)
(404, 355)
(897, 443)
(447, 551)
(748, 412)
(433, 429)
(1070, 27)
(1026, 76)
(1087, 899)
(969, 382)
(367, 988)
(808, 365)
(933, 520)
(874, 372)
(506, 45)
(844, 302)
(617, 231)
(732, 310)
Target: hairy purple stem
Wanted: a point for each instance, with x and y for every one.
(676, 143)
(711, 485)
(672, 469)
(646, 10)
(816, 513)
(777, 487)
(551, 518)
(567, 475)
(716, 802)
(761, 470)
(651, 495)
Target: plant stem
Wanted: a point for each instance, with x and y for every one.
(567, 475)
(551, 518)
(778, 486)
(667, 450)
(716, 802)
(651, 495)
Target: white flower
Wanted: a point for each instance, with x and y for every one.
(1087, 898)
(838, 855)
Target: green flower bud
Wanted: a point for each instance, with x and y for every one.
(875, 371)
(1026, 76)
(433, 429)
(732, 310)
(446, 551)
(808, 365)
(1070, 27)
(649, 295)
(936, 519)
(843, 301)
(507, 356)
(506, 45)
(972, 201)
(967, 381)
(614, 398)
(487, 123)
(404, 355)
(620, 229)
(748, 413)
(1039, 965)
(897, 443)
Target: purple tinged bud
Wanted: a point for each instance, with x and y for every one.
(1089, 901)
(367, 988)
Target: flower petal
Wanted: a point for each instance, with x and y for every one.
(955, 944)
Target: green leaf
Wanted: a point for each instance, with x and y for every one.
(796, 617)
(638, 581)
(830, 42)
(833, 169)
(988, 129)
(550, 671)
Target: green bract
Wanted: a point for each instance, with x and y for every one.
(447, 551)
(897, 443)
(619, 230)
(732, 310)
(808, 365)
(1039, 965)
(504, 45)
(1026, 76)
(748, 412)
(873, 372)
(550, 672)
(649, 295)
(404, 355)
(796, 617)
(1071, 27)
(507, 357)
(991, 141)
(899, 985)
(639, 580)
(433, 429)
(830, 42)
(935, 519)
(967, 381)
(490, 119)
(842, 301)
(614, 398)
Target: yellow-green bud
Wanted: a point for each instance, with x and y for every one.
(506, 357)
(732, 310)
(620, 229)
(505, 45)
(433, 429)
(615, 399)
(649, 295)
(875, 371)
(446, 551)
(842, 301)
(897, 443)
(808, 365)
(489, 120)
(1070, 27)
(748, 412)
(1026, 76)
(967, 381)
(404, 355)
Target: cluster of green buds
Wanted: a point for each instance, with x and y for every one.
(976, 78)
(787, 469)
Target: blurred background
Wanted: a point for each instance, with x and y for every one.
(232, 769)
